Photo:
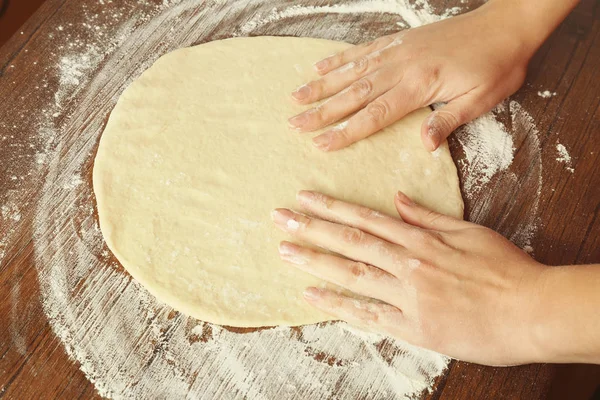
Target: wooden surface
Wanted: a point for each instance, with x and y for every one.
(13, 14)
(33, 361)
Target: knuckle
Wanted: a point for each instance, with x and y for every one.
(389, 40)
(316, 87)
(360, 65)
(325, 200)
(352, 236)
(433, 73)
(344, 136)
(431, 239)
(444, 122)
(432, 216)
(375, 59)
(361, 88)
(366, 213)
(336, 59)
(319, 114)
(378, 111)
(357, 269)
(379, 313)
(367, 45)
(305, 222)
(455, 118)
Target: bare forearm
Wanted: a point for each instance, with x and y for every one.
(531, 20)
(569, 318)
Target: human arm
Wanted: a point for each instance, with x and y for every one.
(444, 284)
(471, 62)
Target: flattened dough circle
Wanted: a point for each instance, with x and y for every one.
(196, 154)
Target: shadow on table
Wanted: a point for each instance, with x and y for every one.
(575, 381)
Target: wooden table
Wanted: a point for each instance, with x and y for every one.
(59, 81)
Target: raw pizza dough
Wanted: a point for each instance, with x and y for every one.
(196, 154)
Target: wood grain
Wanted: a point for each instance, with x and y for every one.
(33, 362)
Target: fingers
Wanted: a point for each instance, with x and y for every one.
(337, 60)
(339, 79)
(355, 276)
(441, 123)
(376, 316)
(377, 115)
(363, 218)
(347, 101)
(422, 217)
(347, 241)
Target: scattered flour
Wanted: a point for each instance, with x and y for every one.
(488, 148)
(128, 344)
(564, 157)
(413, 15)
(529, 185)
(546, 94)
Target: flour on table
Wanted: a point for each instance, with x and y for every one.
(546, 94)
(528, 226)
(413, 15)
(564, 157)
(488, 148)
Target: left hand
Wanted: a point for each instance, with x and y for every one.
(432, 280)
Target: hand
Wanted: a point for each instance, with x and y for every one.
(472, 62)
(432, 280)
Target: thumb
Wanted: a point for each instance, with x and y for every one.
(417, 215)
(441, 123)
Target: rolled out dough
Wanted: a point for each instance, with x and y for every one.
(196, 154)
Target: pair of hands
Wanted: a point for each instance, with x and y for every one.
(432, 280)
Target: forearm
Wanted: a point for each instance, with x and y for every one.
(532, 21)
(568, 324)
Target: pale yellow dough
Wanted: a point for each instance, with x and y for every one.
(196, 154)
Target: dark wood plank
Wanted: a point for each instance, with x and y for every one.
(33, 361)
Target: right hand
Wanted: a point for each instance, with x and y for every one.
(472, 62)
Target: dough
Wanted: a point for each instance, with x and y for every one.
(196, 154)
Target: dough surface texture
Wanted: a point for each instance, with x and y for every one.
(196, 154)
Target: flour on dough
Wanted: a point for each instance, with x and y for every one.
(196, 154)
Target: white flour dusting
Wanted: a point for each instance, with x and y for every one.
(413, 15)
(488, 148)
(531, 183)
(546, 94)
(564, 157)
(128, 344)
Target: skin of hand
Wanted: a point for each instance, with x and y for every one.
(471, 62)
(432, 280)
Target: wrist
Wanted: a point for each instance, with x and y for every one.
(566, 321)
(528, 22)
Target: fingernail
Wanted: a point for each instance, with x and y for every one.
(321, 65)
(290, 253)
(299, 120)
(323, 141)
(301, 93)
(404, 199)
(312, 293)
(284, 219)
(433, 131)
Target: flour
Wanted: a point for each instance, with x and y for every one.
(546, 94)
(292, 225)
(415, 15)
(126, 342)
(564, 157)
(413, 264)
(488, 148)
(532, 181)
